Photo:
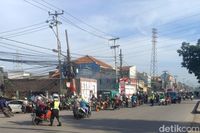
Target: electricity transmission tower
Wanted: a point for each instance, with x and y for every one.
(153, 65)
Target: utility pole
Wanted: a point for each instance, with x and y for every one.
(70, 73)
(153, 67)
(55, 22)
(115, 56)
(121, 59)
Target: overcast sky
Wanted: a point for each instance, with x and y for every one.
(91, 23)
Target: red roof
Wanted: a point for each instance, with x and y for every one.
(90, 59)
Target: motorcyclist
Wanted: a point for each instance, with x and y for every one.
(134, 100)
(179, 98)
(2, 104)
(116, 102)
(152, 98)
(84, 105)
(4, 108)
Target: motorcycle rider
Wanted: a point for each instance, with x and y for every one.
(152, 98)
(134, 100)
(55, 110)
(4, 108)
(84, 105)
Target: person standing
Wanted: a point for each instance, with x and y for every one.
(55, 111)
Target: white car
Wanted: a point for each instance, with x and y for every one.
(17, 106)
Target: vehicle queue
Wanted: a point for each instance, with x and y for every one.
(39, 105)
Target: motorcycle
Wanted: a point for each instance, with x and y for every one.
(168, 100)
(134, 103)
(38, 116)
(162, 101)
(80, 112)
(7, 112)
(184, 97)
(191, 97)
(116, 104)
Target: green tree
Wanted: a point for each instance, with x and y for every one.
(191, 58)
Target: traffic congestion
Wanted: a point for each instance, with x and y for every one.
(41, 109)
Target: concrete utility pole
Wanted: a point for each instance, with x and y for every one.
(69, 66)
(55, 22)
(115, 56)
(121, 59)
(70, 73)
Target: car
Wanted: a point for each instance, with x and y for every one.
(17, 106)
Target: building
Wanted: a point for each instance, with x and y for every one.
(18, 75)
(144, 81)
(128, 81)
(168, 81)
(90, 67)
(129, 72)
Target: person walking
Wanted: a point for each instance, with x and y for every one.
(55, 111)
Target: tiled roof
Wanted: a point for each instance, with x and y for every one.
(126, 68)
(90, 59)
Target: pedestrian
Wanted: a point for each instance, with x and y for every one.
(55, 111)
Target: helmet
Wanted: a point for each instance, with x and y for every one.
(55, 98)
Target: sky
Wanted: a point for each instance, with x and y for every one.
(91, 23)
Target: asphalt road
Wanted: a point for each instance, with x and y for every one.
(142, 119)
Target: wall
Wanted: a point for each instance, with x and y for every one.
(26, 86)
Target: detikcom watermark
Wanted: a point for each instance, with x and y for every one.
(178, 129)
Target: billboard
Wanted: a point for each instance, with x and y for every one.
(88, 87)
(132, 72)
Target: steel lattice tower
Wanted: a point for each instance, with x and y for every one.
(153, 67)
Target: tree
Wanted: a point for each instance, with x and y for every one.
(191, 58)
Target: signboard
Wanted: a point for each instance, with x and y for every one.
(132, 72)
(88, 88)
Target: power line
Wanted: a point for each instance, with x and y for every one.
(36, 6)
(68, 21)
(76, 26)
(26, 32)
(28, 44)
(22, 47)
(22, 28)
(92, 27)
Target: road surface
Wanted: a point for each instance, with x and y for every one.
(142, 119)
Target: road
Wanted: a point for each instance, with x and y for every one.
(142, 119)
